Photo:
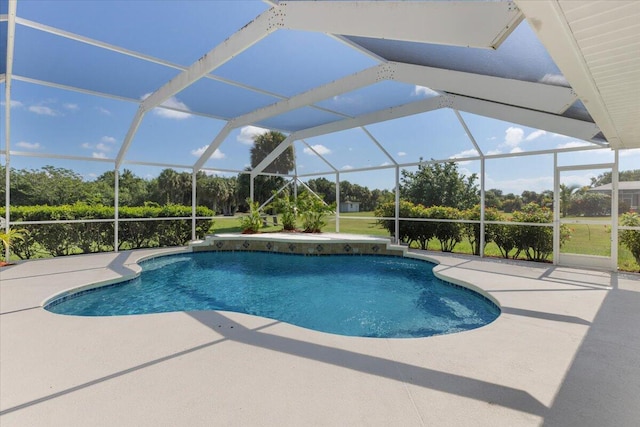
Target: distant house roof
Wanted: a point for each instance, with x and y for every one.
(623, 185)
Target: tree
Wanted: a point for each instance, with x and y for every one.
(171, 187)
(605, 178)
(440, 184)
(264, 144)
(631, 238)
(265, 185)
(565, 197)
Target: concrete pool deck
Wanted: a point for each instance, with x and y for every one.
(564, 352)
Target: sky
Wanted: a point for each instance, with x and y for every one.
(49, 120)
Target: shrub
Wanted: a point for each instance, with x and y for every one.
(631, 238)
(287, 207)
(253, 222)
(472, 231)
(449, 234)
(84, 237)
(590, 204)
(313, 212)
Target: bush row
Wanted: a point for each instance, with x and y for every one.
(86, 237)
(535, 242)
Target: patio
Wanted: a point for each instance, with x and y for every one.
(565, 351)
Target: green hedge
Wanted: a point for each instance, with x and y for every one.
(67, 239)
(536, 243)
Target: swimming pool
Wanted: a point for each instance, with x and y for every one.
(370, 296)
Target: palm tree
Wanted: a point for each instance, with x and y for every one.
(264, 144)
(565, 197)
(9, 236)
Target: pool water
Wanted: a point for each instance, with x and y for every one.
(369, 296)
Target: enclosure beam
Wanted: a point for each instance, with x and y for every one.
(410, 109)
(534, 119)
(346, 84)
(250, 34)
(534, 96)
(238, 42)
(215, 144)
(133, 128)
(380, 147)
(272, 156)
(319, 155)
(480, 25)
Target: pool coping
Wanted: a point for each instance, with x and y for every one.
(547, 358)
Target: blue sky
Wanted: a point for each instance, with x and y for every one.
(59, 122)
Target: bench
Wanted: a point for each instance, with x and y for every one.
(265, 220)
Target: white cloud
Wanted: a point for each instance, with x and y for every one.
(554, 79)
(42, 110)
(493, 152)
(200, 151)
(466, 153)
(385, 164)
(347, 100)
(347, 167)
(13, 104)
(423, 91)
(247, 133)
(100, 155)
(319, 148)
(172, 102)
(102, 147)
(401, 154)
(72, 107)
(86, 145)
(513, 136)
(104, 111)
(573, 144)
(108, 139)
(535, 134)
(516, 150)
(29, 145)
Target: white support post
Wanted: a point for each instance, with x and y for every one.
(11, 31)
(337, 202)
(116, 209)
(397, 212)
(194, 186)
(251, 187)
(614, 212)
(482, 207)
(556, 210)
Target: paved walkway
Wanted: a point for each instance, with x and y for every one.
(564, 352)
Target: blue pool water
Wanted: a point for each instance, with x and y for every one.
(370, 296)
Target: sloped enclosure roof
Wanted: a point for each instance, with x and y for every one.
(569, 67)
